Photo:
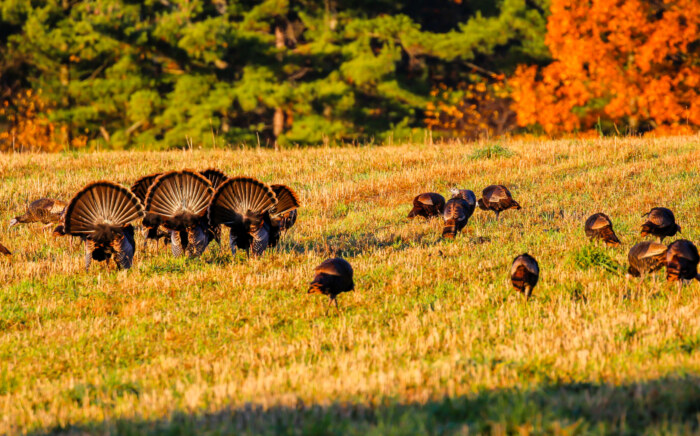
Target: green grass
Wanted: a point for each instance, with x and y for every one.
(432, 341)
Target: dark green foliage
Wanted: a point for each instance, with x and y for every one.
(149, 74)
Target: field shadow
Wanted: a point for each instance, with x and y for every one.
(665, 405)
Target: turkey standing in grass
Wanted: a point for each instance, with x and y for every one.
(646, 257)
(427, 205)
(101, 215)
(180, 199)
(660, 223)
(524, 274)
(5, 251)
(466, 195)
(456, 215)
(682, 261)
(333, 276)
(599, 226)
(280, 222)
(151, 222)
(497, 198)
(44, 210)
(245, 205)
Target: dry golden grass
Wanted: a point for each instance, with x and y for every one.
(432, 341)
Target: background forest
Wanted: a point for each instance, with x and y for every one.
(160, 74)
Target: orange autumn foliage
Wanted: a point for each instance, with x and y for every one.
(30, 129)
(473, 110)
(635, 63)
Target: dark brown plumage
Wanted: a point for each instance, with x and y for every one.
(284, 214)
(101, 214)
(456, 216)
(599, 226)
(151, 222)
(427, 205)
(333, 277)
(524, 274)
(244, 205)
(646, 257)
(178, 200)
(682, 261)
(5, 251)
(660, 223)
(497, 198)
(215, 176)
(44, 210)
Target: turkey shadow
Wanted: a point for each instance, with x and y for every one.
(665, 405)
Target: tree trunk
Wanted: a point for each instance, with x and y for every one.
(278, 118)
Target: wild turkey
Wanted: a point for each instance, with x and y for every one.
(333, 276)
(44, 210)
(599, 226)
(151, 222)
(497, 198)
(646, 257)
(179, 201)
(456, 216)
(215, 176)
(660, 223)
(245, 205)
(5, 251)
(427, 205)
(524, 274)
(682, 261)
(100, 214)
(284, 214)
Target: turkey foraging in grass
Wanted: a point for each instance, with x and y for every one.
(497, 198)
(244, 205)
(599, 226)
(456, 215)
(100, 214)
(427, 205)
(682, 261)
(646, 257)
(179, 200)
(44, 210)
(660, 223)
(524, 274)
(332, 277)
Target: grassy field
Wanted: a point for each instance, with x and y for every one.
(433, 340)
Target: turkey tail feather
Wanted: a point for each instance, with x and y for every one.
(287, 200)
(238, 196)
(179, 192)
(140, 186)
(101, 204)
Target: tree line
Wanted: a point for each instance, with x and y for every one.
(167, 73)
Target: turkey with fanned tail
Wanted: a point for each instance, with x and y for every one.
(244, 205)
(284, 214)
(151, 222)
(101, 215)
(179, 200)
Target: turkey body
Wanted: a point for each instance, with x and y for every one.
(599, 226)
(682, 261)
(100, 214)
(456, 215)
(646, 257)
(497, 198)
(44, 210)
(427, 205)
(660, 223)
(332, 277)
(524, 274)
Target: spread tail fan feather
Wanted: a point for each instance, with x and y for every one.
(140, 186)
(215, 176)
(101, 206)
(287, 200)
(179, 193)
(237, 197)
